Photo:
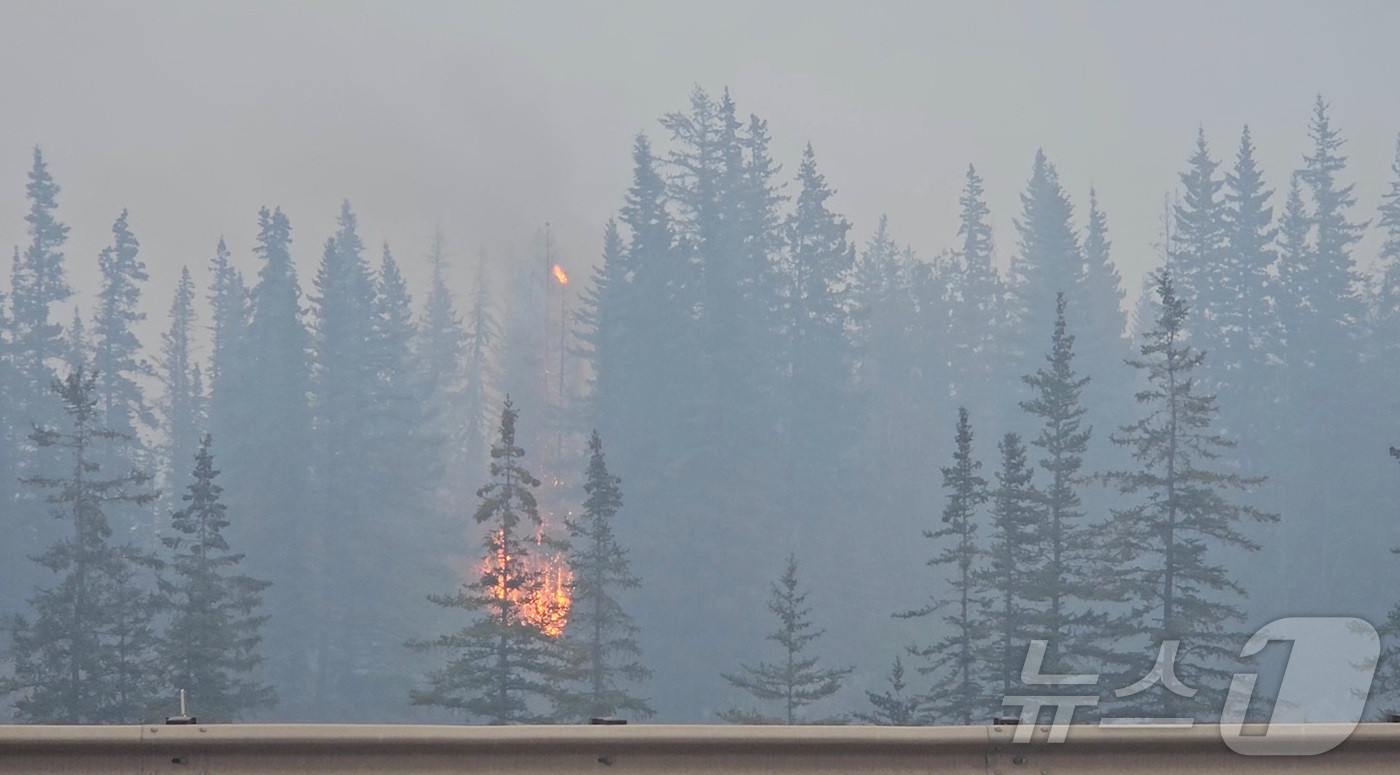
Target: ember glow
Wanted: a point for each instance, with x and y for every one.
(559, 275)
(544, 603)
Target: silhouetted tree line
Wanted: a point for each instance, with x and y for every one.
(767, 388)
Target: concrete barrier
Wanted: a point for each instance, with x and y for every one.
(295, 748)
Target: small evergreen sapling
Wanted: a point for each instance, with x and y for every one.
(796, 681)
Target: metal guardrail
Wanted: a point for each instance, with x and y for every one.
(295, 748)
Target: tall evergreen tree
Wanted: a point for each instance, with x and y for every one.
(977, 328)
(1017, 557)
(795, 681)
(956, 659)
(181, 407)
(1196, 255)
(230, 309)
(211, 646)
(1248, 321)
(503, 668)
(822, 410)
(117, 352)
(1066, 579)
(37, 284)
(1388, 300)
(1166, 543)
(88, 654)
(482, 348)
(345, 405)
(1048, 260)
(599, 630)
(267, 463)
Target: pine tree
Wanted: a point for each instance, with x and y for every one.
(1196, 255)
(955, 660)
(822, 408)
(482, 345)
(606, 317)
(117, 353)
(1049, 260)
(1017, 560)
(1249, 320)
(1065, 581)
(647, 313)
(1166, 543)
(77, 346)
(1388, 301)
(895, 707)
(230, 311)
(977, 327)
(266, 462)
(211, 647)
(1106, 335)
(599, 629)
(88, 655)
(181, 408)
(795, 681)
(37, 284)
(503, 667)
(344, 389)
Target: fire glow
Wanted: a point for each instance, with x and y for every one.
(543, 605)
(559, 275)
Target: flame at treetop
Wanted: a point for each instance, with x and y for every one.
(545, 606)
(559, 275)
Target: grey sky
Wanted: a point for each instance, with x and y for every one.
(495, 117)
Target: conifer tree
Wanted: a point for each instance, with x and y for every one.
(1049, 259)
(88, 655)
(1017, 558)
(1167, 542)
(977, 328)
(652, 298)
(608, 325)
(895, 707)
(599, 630)
(348, 496)
(822, 409)
(267, 461)
(482, 345)
(211, 646)
(440, 344)
(1388, 300)
(1249, 321)
(502, 667)
(37, 284)
(117, 352)
(1106, 334)
(1197, 251)
(181, 407)
(795, 681)
(956, 660)
(77, 345)
(230, 310)
(1065, 581)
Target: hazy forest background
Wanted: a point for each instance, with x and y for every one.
(733, 457)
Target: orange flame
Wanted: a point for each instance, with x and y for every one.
(544, 605)
(559, 275)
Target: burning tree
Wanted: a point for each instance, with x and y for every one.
(506, 665)
(796, 681)
(602, 634)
